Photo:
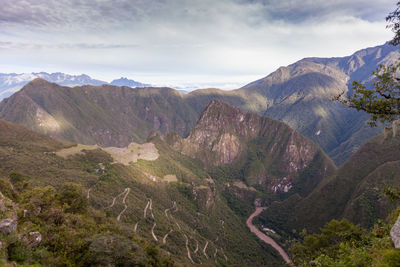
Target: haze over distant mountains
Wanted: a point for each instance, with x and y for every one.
(299, 95)
(12, 82)
(204, 161)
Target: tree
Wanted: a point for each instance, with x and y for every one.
(393, 20)
(383, 101)
(72, 198)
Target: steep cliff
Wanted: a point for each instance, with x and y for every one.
(268, 152)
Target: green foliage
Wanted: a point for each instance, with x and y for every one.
(73, 227)
(16, 177)
(383, 101)
(115, 249)
(73, 239)
(392, 193)
(18, 252)
(72, 198)
(341, 243)
(392, 258)
(353, 192)
(394, 24)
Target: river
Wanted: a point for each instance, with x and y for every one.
(264, 237)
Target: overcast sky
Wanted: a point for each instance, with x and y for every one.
(226, 43)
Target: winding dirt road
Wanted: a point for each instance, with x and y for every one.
(204, 250)
(264, 237)
(127, 190)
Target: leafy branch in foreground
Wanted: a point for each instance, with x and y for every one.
(383, 101)
(393, 20)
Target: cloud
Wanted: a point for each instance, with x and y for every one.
(295, 11)
(192, 39)
(89, 14)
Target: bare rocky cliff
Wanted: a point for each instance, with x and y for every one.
(270, 153)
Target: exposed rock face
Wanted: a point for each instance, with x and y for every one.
(7, 226)
(224, 134)
(395, 233)
(221, 134)
(32, 239)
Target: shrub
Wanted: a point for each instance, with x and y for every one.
(72, 198)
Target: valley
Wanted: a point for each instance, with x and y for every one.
(241, 133)
(176, 177)
(299, 95)
(264, 237)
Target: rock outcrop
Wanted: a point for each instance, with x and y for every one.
(7, 226)
(32, 239)
(270, 152)
(395, 233)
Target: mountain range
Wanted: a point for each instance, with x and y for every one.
(193, 193)
(299, 95)
(175, 176)
(13, 82)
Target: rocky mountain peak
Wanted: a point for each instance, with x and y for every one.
(219, 117)
(227, 135)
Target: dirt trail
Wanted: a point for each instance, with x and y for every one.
(166, 235)
(127, 190)
(204, 250)
(223, 253)
(152, 232)
(187, 248)
(197, 247)
(145, 209)
(88, 193)
(115, 198)
(151, 208)
(166, 214)
(215, 253)
(169, 218)
(264, 237)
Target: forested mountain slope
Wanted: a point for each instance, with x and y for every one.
(86, 201)
(354, 192)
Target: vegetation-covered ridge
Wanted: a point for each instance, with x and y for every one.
(267, 153)
(163, 211)
(341, 243)
(299, 95)
(354, 192)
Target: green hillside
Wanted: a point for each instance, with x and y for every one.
(299, 95)
(109, 204)
(355, 192)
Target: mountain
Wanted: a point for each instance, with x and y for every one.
(268, 153)
(72, 204)
(105, 115)
(12, 82)
(127, 82)
(300, 95)
(354, 192)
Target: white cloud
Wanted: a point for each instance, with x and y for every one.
(183, 39)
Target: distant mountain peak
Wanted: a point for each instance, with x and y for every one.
(123, 81)
(12, 82)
